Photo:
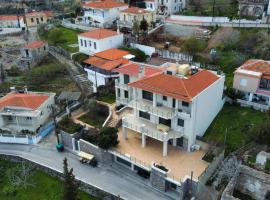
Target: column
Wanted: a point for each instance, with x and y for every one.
(124, 131)
(174, 141)
(143, 140)
(250, 97)
(165, 148)
(154, 100)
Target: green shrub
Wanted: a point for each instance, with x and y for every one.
(267, 165)
(67, 125)
(79, 57)
(107, 138)
(140, 56)
(9, 190)
(193, 46)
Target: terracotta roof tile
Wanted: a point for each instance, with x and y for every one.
(106, 4)
(29, 100)
(35, 44)
(9, 17)
(35, 13)
(133, 69)
(99, 33)
(135, 10)
(112, 54)
(257, 65)
(176, 87)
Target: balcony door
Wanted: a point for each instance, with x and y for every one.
(147, 95)
(166, 122)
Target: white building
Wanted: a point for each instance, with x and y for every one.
(25, 112)
(11, 21)
(150, 5)
(99, 40)
(102, 13)
(168, 7)
(100, 66)
(172, 105)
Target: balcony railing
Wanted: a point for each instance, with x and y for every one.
(148, 128)
(161, 111)
(255, 105)
(120, 85)
(122, 100)
(123, 23)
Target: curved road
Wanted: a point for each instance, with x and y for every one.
(111, 179)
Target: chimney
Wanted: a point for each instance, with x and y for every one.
(142, 71)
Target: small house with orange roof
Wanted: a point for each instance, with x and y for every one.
(171, 105)
(32, 54)
(33, 19)
(11, 21)
(253, 80)
(100, 39)
(26, 112)
(102, 13)
(100, 67)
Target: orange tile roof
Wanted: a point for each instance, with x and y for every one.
(9, 17)
(35, 13)
(112, 54)
(35, 44)
(133, 69)
(28, 100)
(106, 4)
(135, 10)
(257, 65)
(99, 33)
(176, 87)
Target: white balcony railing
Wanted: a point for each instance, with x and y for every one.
(120, 85)
(122, 100)
(123, 23)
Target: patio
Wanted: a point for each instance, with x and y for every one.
(180, 162)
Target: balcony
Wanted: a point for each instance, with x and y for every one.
(147, 106)
(122, 101)
(120, 85)
(122, 23)
(148, 128)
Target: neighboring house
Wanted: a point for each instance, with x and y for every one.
(168, 7)
(100, 66)
(172, 105)
(102, 13)
(99, 40)
(252, 8)
(150, 5)
(33, 19)
(32, 54)
(25, 112)
(135, 14)
(11, 21)
(253, 79)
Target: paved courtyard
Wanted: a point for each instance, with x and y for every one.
(180, 162)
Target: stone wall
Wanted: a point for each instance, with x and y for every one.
(101, 155)
(90, 189)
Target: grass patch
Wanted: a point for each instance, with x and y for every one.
(44, 186)
(93, 120)
(108, 99)
(233, 123)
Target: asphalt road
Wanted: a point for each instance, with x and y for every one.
(111, 179)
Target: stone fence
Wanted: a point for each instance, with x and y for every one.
(90, 189)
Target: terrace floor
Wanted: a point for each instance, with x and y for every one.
(180, 162)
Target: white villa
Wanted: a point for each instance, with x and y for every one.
(11, 21)
(25, 112)
(98, 40)
(102, 13)
(168, 7)
(171, 104)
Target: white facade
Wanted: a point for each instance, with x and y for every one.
(11, 23)
(168, 7)
(151, 5)
(91, 46)
(184, 121)
(102, 17)
(17, 119)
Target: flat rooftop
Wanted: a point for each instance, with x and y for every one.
(180, 162)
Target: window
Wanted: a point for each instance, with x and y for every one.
(181, 122)
(95, 45)
(85, 43)
(119, 92)
(147, 95)
(32, 19)
(166, 122)
(81, 42)
(144, 115)
(243, 82)
(89, 43)
(169, 72)
(126, 79)
(173, 103)
(37, 19)
(44, 48)
(126, 94)
(41, 19)
(29, 118)
(185, 104)
(41, 113)
(164, 98)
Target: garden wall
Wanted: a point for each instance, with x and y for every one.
(66, 139)
(101, 155)
(90, 189)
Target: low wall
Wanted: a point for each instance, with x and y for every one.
(66, 139)
(101, 155)
(90, 189)
(76, 26)
(146, 49)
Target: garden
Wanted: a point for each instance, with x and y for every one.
(21, 181)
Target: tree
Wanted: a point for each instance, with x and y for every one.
(56, 36)
(144, 25)
(234, 94)
(193, 46)
(71, 186)
(261, 134)
(42, 31)
(107, 138)
(136, 28)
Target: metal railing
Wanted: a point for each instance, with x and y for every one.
(253, 104)
(153, 110)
